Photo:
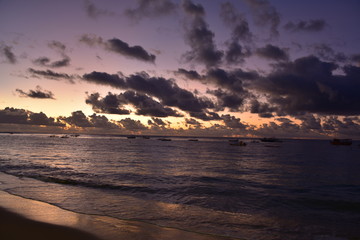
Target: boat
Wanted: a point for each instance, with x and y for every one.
(164, 139)
(131, 137)
(338, 141)
(193, 139)
(236, 142)
(272, 139)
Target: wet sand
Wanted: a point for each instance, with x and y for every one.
(26, 219)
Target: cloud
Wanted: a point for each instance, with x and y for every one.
(239, 25)
(265, 14)
(42, 119)
(77, 119)
(193, 75)
(13, 115)
(143, 104)
(147, 106)
(199, 37)
(157, 122)
(314, 25)
(227, 100)
(191, 122)
(46, 62)
(325, 52)
(309, 85)
(52, 75)
(151, 8)
(103, 78)
(120, 47)
(137, 52)
(356, 59)
(166, 91)
(109, 104)
(102, 122)
(236, 53)
(38, 93)
(193, 9)
(21, 116)
(233, 122)
(94, 12)
(264, 110)
(6, 51)
(132, 125)
(273, 53)
(57, 46)
(231, 80)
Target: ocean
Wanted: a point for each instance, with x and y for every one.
(294, 190)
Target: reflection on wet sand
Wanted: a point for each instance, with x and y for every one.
(105, 227)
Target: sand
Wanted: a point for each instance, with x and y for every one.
(22, 218)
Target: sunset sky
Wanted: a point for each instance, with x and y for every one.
(188, 67)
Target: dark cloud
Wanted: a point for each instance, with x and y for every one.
(309, 122)
(265, 14)
(46, 62)
(264, 110)
(205, 115)
(199, 37)
(193, 9)
(109, 104)
(233, 122)
(94, 12)
(227, 100)
(102, 122)
(146, 106)
(132, 125)
(52, 75)
(236, 53)
(231, 80)
(137, 52)
(356, 59)
(38, 93)
(309, 85)
(120, 47)
(192, 122)
(6, 51)
(239, 25)
(42, 119)
(151, 8)
(77, 119)
(57, 46)
(157, 122)
(13, 115)
(143, 104)
(315, 25)
(21, 116)
(273, 53)
(168, 92)
(103, 78)
(189, 74)
(325, 52)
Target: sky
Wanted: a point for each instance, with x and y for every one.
(247, 68)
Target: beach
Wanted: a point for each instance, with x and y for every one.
(22, 218)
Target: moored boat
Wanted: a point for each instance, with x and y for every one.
(338, 141)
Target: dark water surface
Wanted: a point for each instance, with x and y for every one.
(298, 189)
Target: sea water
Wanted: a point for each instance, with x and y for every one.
(297, 189)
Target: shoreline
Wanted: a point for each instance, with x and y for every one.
(39, 220)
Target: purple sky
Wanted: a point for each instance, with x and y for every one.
(217, 68)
